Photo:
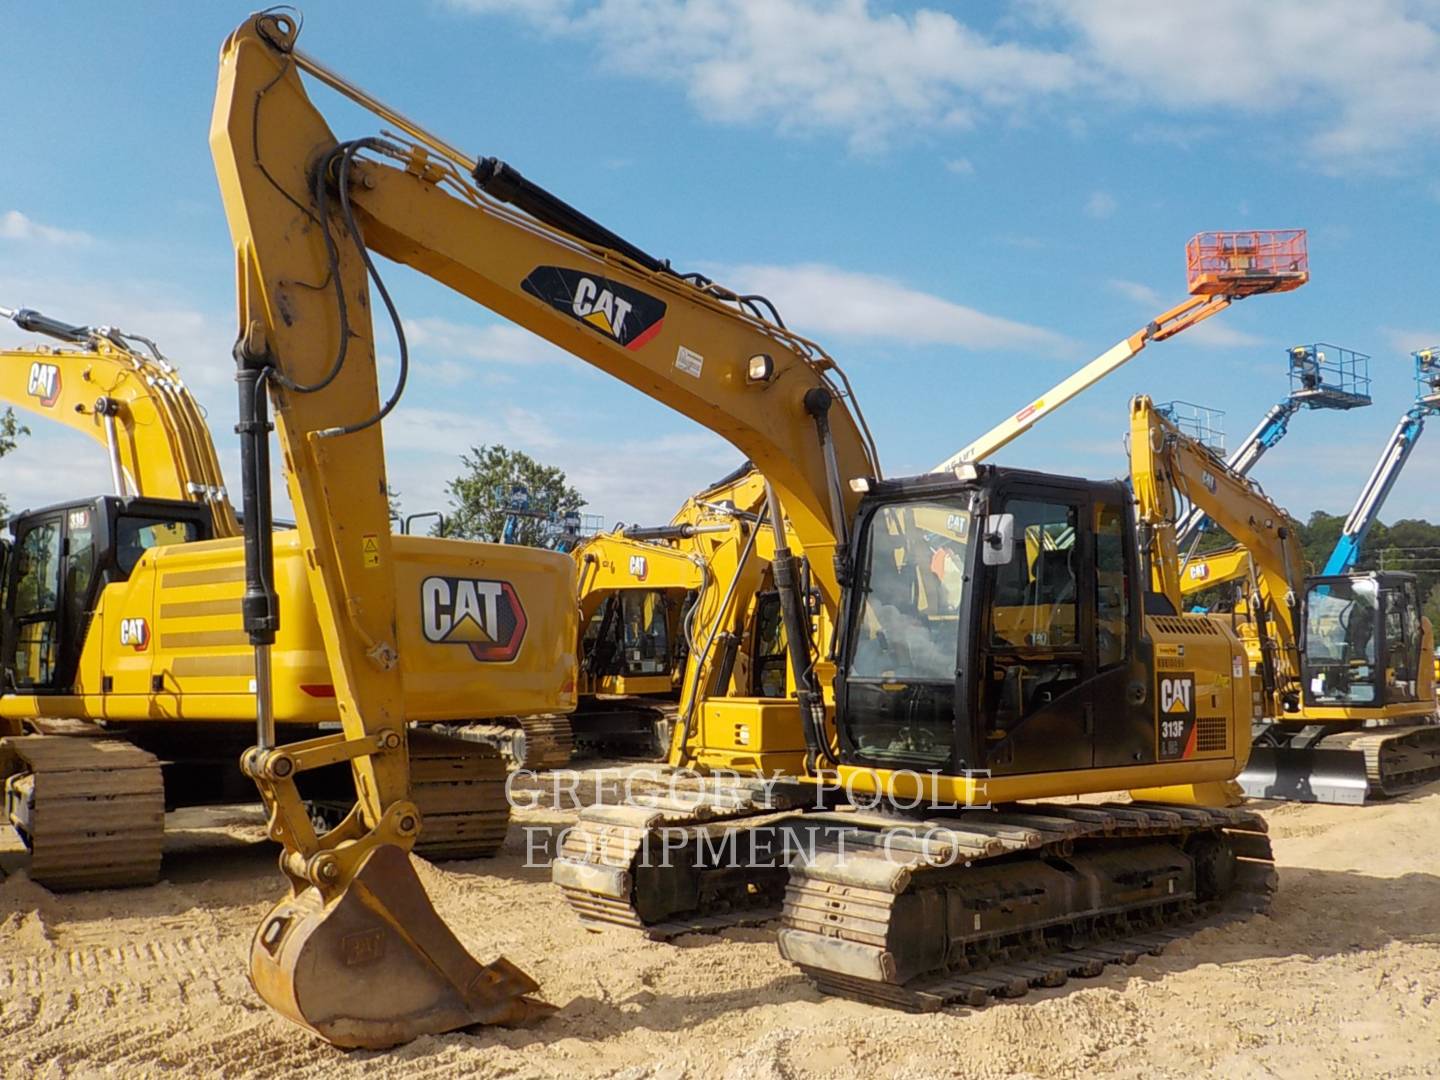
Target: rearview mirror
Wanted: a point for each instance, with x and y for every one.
(999, 546)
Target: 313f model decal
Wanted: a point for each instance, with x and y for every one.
(625, 315)
(1176, 698)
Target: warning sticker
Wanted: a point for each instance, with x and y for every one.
(689, 361)
(370, 549)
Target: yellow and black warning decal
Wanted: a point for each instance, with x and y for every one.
(1175, 695)
(370, 550)
(627, 316)
(484, 616)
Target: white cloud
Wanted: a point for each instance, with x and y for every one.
(824, 300)
(1408, 341)
(1221, 335)
(442, 431)
(961, 166)
(640, 479)
(805, 65)
(1100, 205)
(1358, 77)
(1139, 293)
(489, 343)
(17, 226)
(198, 342)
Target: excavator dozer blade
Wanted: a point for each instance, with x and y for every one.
(376, 966)
(1318, 775)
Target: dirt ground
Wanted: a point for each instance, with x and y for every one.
(1341, 979)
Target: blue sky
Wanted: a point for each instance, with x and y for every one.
(964, 202)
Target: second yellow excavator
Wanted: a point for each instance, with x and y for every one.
(123, 654)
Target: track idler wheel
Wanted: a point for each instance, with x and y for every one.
(375, 966)
(1214, 862)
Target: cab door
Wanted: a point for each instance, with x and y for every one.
(1036, 642)
(32, 643)
(1058, 635)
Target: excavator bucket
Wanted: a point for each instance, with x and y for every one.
(1318, 775)
(375, 966)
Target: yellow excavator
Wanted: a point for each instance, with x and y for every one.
(642, 592)
(648, 593)
(123, 652)
(1347, 662)
(922, 690)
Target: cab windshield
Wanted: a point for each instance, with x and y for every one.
(911, 591)
(1362, 641)
(904, 644)
(1341, 639)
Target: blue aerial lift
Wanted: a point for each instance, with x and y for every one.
(1321, 377)
(1392, 460)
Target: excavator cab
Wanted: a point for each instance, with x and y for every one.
(629, 646)
(62, 557)
(1361, 642)
(993, 626)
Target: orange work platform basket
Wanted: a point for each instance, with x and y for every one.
(1247, 262)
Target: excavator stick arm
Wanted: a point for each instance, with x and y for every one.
(356, 953)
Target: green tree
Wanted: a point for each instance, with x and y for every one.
(480, 495)
(11, 431)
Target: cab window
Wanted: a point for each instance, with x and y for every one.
(37, 589)
(81, 560)
(908, 625)
(904, 640)
(136, 535)
(1111, 603)
(1035, 593)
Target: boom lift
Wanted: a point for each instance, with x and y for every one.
(993, 663)
(1321, 377)
(1366, 510)
(1222, 267)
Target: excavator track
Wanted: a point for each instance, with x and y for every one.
(634, 865)
(1396, 759)
(625, 727)
(91, 810)
(527, 742)
(991, 904)
(922, 914)
(459, 787)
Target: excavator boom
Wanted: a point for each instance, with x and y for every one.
(132, 402)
